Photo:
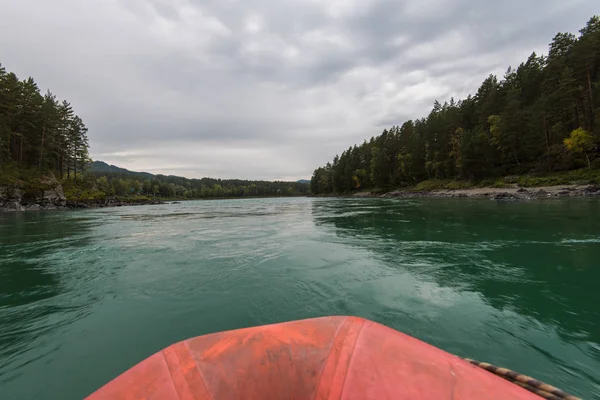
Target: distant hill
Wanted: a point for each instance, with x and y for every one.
(123, 182)
(102, 167)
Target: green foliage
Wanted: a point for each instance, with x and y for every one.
(500, 184)
(37, 131)
(580, 142)
(124, 186)
(511, 127)
(11, 174)
(134, 185)
(82, 195)
(581, 177)
(430, 184)
(28, 180)
(457, 185)
(82, 191)
(138, 198)
(442, 184)
(104, 186)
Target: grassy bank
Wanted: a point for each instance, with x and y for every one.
(575, 177)
(582, 176)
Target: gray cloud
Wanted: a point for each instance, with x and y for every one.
(264, 89)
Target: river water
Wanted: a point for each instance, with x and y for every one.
(84, 295)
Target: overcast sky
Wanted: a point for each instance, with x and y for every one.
(264, 89)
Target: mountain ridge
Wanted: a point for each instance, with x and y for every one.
(100, 167)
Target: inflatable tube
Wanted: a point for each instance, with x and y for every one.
(323, 358)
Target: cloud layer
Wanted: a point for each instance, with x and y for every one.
(264, 89)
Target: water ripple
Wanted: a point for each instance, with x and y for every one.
(512, 284)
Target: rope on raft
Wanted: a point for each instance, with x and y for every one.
(533, 385)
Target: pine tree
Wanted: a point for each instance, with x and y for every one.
(514, 125)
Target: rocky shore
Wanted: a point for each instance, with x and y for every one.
(47, 195)
(51, 196)
(511, 193)
(111, 202)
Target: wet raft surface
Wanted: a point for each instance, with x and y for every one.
(323, 358)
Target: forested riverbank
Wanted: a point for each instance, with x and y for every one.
(576, 183)
(540, 119)
(45, 162)
(28, 189)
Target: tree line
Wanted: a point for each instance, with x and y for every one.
(543, 116)
(162, 186)
(40, 135)
(37, 131)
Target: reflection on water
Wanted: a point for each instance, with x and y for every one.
(84, 295)
(533, 263)
(41, 293)
(534, 258)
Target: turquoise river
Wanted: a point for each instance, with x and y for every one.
(84, 295)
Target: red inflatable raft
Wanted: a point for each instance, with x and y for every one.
(323, 358)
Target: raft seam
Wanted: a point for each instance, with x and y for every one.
(352, 358)
(327, 359)
(162, 353)
(454, 382)
(199, 370)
